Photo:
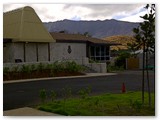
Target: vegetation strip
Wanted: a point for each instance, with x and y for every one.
(127, 104)
(57, 69)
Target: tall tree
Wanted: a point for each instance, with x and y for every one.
(145, 35)
(87, 34)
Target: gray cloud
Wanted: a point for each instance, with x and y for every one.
(50, 12)
(113, 8)
(106, 10)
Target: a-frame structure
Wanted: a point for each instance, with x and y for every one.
(24, 25)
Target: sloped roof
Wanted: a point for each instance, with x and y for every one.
(78, 38)
(24, 25)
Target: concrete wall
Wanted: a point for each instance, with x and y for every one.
(19, 51)
(8, 53)
(14, 51)
(42, 52)
(30, 51)
(59, 51)
(98, 67)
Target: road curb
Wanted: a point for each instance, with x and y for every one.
(58, 78)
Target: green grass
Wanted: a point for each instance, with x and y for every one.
(128, 104)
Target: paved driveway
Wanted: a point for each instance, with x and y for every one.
(17, 95)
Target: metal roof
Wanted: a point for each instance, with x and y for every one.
(24, 25)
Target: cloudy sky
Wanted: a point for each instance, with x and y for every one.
(55, 12)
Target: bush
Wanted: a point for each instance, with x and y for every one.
(73, 67)
(42, 70)
(41, 67)
(26, 68)
(112, 68)
(5, 70)
(43, 95)
(58, 66)
(121, 59)
(33, 67)
(84, 92)
(15, 69)
(53, 95)
(69, 66)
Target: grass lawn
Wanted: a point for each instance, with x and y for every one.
(127, 104)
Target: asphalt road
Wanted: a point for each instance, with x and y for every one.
(22, 94)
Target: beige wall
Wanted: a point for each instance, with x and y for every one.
(59, 51)
(30, 51)
(14, 51)
(8, 53)
(19, 51)
(42, 52)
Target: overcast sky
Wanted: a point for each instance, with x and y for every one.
(55, 12)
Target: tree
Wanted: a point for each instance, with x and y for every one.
(132, 48)
(145, 39)
(87, 34)
(63, 31)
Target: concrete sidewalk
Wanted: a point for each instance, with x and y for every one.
(27, 111)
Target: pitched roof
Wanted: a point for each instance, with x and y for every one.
(78, 38)
(24, 25)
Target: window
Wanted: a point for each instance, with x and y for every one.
(99, 53)
(107, 50)
(92, 51)
(103, 52)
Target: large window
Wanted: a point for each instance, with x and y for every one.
(99, 53)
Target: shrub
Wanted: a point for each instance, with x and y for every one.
(53, 95)
(33, 67)
(121, 59)
(84, 92)
(58, 66)
(69, 66)
(5, 70)
(26, 68)
(66, 92)
(73, 67)
(40, 67)
(15, 69)
(112, 68)
(43, 95)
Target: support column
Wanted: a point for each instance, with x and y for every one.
(49, 59)
(37, 51)
(24, 51)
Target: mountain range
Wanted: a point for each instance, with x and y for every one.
(98, 28)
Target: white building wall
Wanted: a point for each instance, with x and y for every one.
(42, 51)
(19, 51)
(31, 54)
(8, 53)
(59, 51)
